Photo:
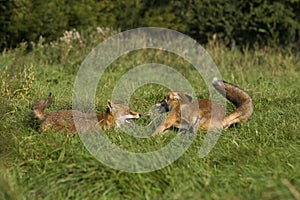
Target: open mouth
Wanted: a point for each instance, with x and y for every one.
(127, 119)
(162, 107)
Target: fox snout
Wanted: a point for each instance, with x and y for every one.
(135, 114)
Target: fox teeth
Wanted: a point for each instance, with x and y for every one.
(129, 122)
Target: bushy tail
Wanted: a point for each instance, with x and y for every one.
(39, 107)
(242, 101)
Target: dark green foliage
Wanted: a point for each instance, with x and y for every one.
(234, 22)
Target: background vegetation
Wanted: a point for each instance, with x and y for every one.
(256, 160)
(234, 22)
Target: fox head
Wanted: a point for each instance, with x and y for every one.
(121, 113)
(173, 99)
(42, 104)
(39, 107)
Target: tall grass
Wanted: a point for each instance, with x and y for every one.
(256, 160)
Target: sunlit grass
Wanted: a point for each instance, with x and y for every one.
(250, 161)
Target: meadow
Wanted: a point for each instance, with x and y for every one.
(255, 160)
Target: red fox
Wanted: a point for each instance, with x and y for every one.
(115, 115)
(204, 114)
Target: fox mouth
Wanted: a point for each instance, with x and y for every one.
(128, 119)
(129, 122)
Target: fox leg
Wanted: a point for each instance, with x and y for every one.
(164, 126)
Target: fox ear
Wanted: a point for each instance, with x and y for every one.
(48, 100)
(180, 96)
(109, 104)
(50, 95)
(189, 97)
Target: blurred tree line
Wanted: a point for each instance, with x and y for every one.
(262, 22)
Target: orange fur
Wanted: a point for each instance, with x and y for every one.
(115, 115)
(204, 114)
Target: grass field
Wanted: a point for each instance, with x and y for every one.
(256, 160)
